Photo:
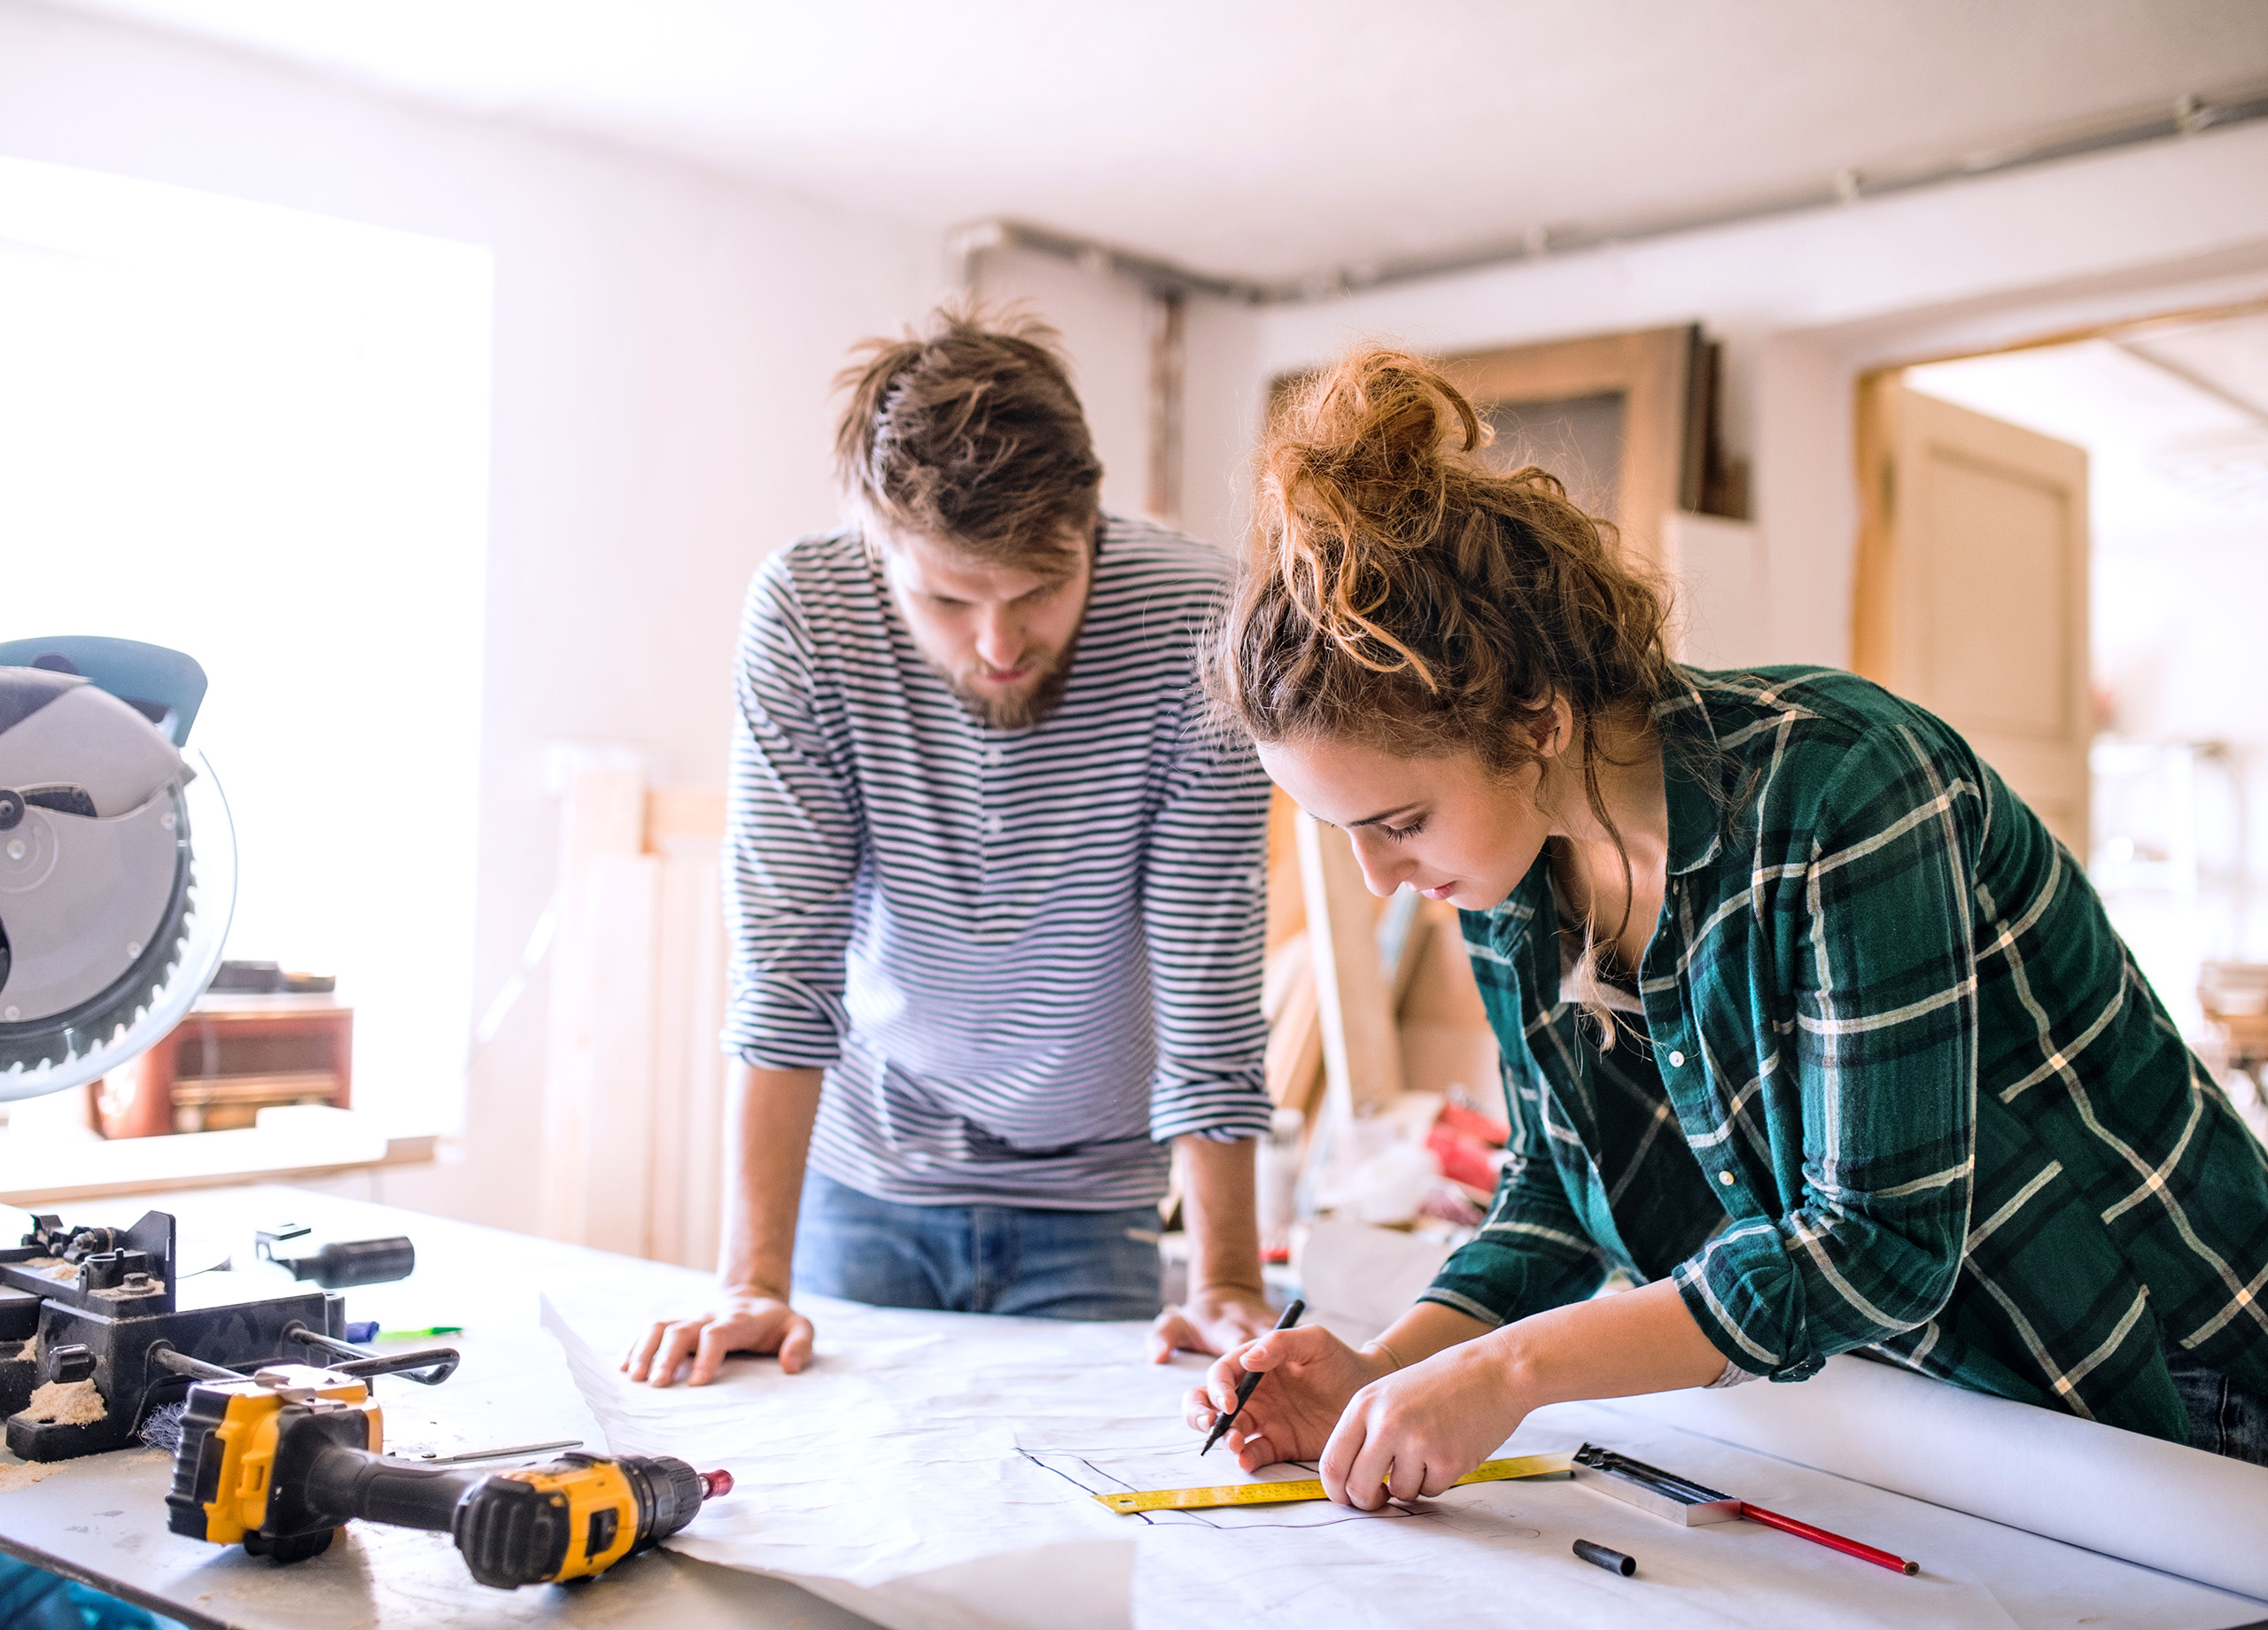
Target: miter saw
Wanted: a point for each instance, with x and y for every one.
(117, 881)
(117, 859)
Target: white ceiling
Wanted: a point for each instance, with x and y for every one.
(1271, 139)
(2174, 421)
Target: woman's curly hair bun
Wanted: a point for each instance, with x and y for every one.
(1397, 590)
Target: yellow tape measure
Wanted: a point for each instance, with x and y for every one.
(1311, 1489)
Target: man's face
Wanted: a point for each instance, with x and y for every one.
(1001, 637)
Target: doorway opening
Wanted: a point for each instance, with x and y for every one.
(2163, 606)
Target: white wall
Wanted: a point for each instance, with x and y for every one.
(665, 341)
(1804, 303)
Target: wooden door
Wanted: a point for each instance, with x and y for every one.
(1972, 588)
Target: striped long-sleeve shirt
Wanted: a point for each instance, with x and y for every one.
(1025, 957)
(1898, 1087)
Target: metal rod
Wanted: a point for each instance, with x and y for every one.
(517, 1448)
(173, 1358)
(428, 1366)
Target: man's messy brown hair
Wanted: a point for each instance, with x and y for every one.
(970, 433)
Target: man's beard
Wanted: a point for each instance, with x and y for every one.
(1024, 709)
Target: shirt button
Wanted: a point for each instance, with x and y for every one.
(992, 755)
(1726, 1178)
(1676, 1057)
(992, 823)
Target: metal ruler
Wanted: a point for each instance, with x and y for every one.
(1311, 1489)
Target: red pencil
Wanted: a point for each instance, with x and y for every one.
(1833, 1541)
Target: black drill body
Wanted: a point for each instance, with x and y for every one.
(568, 1518)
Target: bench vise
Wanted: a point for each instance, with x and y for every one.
(98, 1328)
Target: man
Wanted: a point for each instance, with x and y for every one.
(995, 897)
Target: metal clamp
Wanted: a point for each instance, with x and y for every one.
(427, 1366)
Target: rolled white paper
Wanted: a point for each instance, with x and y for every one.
(2137, 1498)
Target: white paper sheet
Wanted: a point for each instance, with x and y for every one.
(2157, 1503)
(934, 1472)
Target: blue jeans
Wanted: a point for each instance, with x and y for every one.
(1008, 1260)
(2223, 1418)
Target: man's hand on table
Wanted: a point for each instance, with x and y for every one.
(1214, 1320)
(745, 1320)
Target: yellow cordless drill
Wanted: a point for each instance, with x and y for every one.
(280, 1459)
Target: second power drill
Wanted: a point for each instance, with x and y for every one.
(280, 1460)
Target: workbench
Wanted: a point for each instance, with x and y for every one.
(102, 1519)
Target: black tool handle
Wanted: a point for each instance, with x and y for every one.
(355, 1262)
(346, 1483)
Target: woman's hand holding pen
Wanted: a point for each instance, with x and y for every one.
(1311, 1375)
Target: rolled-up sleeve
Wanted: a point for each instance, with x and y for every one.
(1204, 912)
(1531, 1253)
(1886, 1067)
(793, 847)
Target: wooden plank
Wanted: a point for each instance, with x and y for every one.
(616, 1032)
(1285, 966)
(1447, 1044)
(1362, 1053)
(598, 1070)
(1295, 1046)
(1287, 911)
(687, 995)
(684, 815)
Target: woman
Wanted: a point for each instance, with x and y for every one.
(1808, 1025)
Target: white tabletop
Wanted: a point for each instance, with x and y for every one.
(102, 1519)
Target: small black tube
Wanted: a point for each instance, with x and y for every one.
(1613, 1562)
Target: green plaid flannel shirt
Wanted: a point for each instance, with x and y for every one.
(1901, 1089)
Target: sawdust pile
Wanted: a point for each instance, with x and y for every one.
(23, 1475)
(66, 1403)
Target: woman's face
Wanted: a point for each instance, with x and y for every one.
(1446, 826)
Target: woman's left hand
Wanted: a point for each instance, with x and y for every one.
(1417, 1431)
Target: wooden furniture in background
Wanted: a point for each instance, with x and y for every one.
(1629, 422)
(1971, 596)
(1361, 1055)
(232, 1057)
(633, 1146)
(1661, 379)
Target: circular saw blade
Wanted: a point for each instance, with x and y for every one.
(51, 1041)
(168, 973)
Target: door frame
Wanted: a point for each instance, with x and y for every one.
(1872, 565)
